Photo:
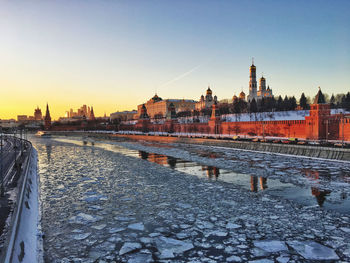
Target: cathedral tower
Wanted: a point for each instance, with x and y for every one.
(262, 85)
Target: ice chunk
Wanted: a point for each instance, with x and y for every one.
(128, 247)
(234, 259)
(264, 260)
(282, 259)
(140, 258)
(345, 229)
(271, 245)
(99, 227)
(168, 246)
(313, 251)
(137, 226)
(123, 218)
(81, 236)
(166, 253)
(116, 230)
(218, 233)
(93, 198)
(83, 218)
(232, 226)
(183, 205)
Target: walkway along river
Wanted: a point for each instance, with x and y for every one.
(143, 202)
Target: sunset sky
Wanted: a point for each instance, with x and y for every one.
(114, 55)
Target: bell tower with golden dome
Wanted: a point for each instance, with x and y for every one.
(252, 83)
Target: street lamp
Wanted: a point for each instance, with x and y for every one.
(327, 130)
(1, 167)
(15, 146)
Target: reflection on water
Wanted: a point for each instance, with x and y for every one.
(48, 152)
(254, 183)
(320, 195)
(317, 194)
(211, 171)
(171, 162)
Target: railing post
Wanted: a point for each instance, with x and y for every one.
(2, 190)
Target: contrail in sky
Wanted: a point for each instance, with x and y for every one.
(180, 77)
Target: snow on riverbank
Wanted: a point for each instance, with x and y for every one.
(28, 242)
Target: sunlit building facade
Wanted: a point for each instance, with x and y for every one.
(207, 101)
(158, 108)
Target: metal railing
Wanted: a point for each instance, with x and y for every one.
(19, 138)
(7, 254)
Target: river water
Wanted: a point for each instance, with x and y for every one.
(145, 202)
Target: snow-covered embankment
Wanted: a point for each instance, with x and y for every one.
(25, 239)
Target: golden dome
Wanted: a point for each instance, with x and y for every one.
(209, 92)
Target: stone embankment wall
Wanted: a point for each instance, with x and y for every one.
(302, 150)
(24, 243)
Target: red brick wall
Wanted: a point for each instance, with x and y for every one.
(313, 127)
(346, 125)
(268, 128)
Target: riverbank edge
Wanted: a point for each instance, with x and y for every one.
(319, 152)
(24, 242)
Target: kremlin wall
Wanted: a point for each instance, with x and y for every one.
(313, 127)
(319, 125)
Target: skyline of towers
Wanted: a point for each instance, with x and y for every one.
(83, 111)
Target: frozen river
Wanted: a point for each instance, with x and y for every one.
(142, 202)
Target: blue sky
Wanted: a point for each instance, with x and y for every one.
(116, 54)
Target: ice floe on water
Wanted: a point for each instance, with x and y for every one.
(81, 236)
(119, 208)
(129, 247)
(271, 245)
(169, 247)
(313, 251)
(83, 218)
(137, 226)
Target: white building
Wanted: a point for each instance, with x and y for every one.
(207, 101)
(263, 92)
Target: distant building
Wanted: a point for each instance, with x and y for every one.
(207, 101)
(123, 115)
(242, 95)
(253, 92)
(158, 108)
(263, 92)
(11, 123)
(38, 116)
(22, 118)
(80, 113)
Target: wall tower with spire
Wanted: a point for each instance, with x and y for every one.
(92, 114)
(47, 123)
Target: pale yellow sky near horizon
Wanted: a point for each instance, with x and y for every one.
(114, 55)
